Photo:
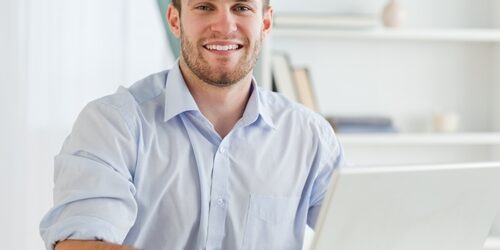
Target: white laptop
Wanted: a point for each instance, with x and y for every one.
(430, 207)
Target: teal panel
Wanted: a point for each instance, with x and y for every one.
(175, 44)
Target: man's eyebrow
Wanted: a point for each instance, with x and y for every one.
(189, 2)
(238, 1)
(246, 1)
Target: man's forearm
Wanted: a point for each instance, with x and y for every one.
(90, 245)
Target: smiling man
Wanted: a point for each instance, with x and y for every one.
(198, 156)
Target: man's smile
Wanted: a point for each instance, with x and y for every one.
(223, 47)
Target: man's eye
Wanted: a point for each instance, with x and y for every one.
(203, 7)
(242, 8)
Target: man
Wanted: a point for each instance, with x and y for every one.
(197, 157)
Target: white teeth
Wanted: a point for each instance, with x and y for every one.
(221, 47)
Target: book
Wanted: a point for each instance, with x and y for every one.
(364, 130)
(283, 76)
(303, 85)
(362, 124)
(366, 120)
(338, 21)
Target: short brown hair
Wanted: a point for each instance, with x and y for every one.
(177, 4)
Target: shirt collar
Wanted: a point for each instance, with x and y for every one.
(178, 99)
(256, 106)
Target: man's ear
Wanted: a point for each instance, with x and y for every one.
(174, 20)
(268, 20)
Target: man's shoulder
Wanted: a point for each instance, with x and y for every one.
(280, 106)
(149, 87)
(128, 101)
(138, 93)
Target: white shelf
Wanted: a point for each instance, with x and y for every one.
(456, 35)
(421, 139)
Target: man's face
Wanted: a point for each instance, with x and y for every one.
(221, 39)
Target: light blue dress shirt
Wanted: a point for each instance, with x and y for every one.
(144, 167)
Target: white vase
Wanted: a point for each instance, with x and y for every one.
(393, 15)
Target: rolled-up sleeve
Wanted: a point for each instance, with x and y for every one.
(93, 177)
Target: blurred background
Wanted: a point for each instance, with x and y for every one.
(55, 57)
(402, 81)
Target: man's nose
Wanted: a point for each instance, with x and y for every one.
(224, 22)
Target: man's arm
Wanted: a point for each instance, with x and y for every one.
(330, 156)
(89, 245)
(94, 193)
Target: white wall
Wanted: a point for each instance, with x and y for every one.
(56, 56)
(496, 112)
(496, 20)
(12, 191)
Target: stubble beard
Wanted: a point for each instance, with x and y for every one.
(213, 76)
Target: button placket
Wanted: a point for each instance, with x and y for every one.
(219, 192)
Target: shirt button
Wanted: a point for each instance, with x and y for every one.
(220, 202)
(222, 150)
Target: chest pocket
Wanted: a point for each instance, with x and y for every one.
(270, 223)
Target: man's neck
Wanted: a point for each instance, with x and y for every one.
(222, 106)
